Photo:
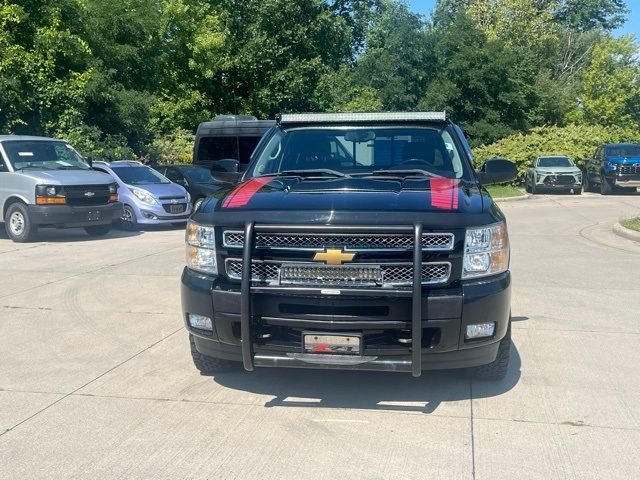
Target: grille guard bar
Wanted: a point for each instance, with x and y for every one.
(246, 288)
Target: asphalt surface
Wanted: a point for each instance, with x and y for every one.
(96, 379)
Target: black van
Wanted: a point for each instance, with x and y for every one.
(228, 137)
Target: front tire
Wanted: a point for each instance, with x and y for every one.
(18, 224)
(98, 230)
(497, 369)
(605, 187)
(206, 364)
(128, 220)
(577, 190)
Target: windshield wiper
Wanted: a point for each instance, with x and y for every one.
(315, 172)
(71, 167)
(34, 167)
(414, 172)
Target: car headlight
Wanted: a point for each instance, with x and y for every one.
(486, 251)
(201, 248)
(113, 189)
(144, 196)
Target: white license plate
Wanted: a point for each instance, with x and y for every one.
(331, 343)
(176, 208)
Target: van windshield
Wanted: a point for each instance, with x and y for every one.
(43, 155)
(211, 149)
(361, 151)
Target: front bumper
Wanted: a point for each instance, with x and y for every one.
(285, 312)
(74, 216)
(625, 180)
(157, 215)
(558, 181)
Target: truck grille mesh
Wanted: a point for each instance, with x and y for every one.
(629, 169)
(393, 274)
(294, 241)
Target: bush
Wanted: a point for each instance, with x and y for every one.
(92, 143)
(174, 148)
(576, 141)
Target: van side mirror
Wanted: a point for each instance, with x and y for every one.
(497, 170)
(89, 160)
(226, 170)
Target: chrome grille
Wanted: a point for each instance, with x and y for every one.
(629, 169)
(306, 241)
(393, 274)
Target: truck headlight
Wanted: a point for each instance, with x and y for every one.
(486, 251)
(201, 248)
(143, 196)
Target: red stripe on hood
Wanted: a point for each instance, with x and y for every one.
(444, 193)
(241, 195)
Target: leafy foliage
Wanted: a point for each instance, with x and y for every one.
(576, 141)
(135, 77)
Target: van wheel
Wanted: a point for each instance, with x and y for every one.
(18, 224)
(497, 369)
(206, 364)
(98, 230)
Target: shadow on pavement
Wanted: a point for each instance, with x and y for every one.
(54, 235)
(367, 390)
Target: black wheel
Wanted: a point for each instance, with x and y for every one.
(497, 369)
(577, 190)
(98, 230)
(18, 224)
(128, 220)
(206, 364)
(605, 187)
(534, 190)
(527, 188)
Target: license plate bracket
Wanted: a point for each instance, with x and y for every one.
(94, 215)
(330, 343)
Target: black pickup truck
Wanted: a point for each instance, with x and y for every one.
(361, 241)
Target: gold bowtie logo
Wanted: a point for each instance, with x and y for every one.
(333, 256)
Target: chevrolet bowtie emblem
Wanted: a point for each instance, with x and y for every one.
(333, 256)
(89, 194)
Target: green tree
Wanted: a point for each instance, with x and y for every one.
(611, 92)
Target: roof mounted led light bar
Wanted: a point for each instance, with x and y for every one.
(287, 118)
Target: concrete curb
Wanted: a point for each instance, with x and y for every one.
(526, 196)
(625, 232)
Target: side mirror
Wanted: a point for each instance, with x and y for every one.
(226, 170)
(89, 160)
(497, 170)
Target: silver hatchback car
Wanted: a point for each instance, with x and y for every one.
(149, 197)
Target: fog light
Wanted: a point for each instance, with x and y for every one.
(480, 330)
(200, 322)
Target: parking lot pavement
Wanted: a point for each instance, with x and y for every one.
(96, 379)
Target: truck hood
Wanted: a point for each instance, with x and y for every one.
(68, 177)
(623, 159)
(352, 194)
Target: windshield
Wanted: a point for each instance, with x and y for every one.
(139, 175)
(555, 162)
(623, 151)
(211, 149)
(197, 175)
(43, 155)
(361, 151)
